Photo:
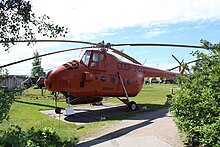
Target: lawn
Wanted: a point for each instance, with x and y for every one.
(25, 110)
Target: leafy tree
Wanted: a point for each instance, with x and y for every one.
(3, 72)
(6, 99)
(197, 105)
(18, 22)
(36, 65)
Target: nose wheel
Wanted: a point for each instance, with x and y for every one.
(57, 109)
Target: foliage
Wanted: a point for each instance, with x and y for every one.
(6, 99)
(36, 65)
(18, 22)
(14, 136)
(4, 72)
(197, 105)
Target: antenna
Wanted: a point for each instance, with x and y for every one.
(144, 61)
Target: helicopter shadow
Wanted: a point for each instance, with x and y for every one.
(88, 114)
(146, 117)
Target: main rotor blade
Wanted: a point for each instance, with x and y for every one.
(68, 41)
(110, 45)
(157, 44)
(67, 50)
(124, 55)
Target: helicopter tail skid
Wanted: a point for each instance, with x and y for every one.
(130, 104)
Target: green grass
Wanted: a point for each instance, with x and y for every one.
(25, 110)
(153, 96)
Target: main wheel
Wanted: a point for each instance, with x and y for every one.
(132, 106)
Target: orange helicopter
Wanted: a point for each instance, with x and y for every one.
(100, 74)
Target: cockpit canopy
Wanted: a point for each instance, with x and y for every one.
(92, 58)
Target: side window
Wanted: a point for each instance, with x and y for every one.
(101, 57)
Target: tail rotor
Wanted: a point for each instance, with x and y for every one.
(181, 64)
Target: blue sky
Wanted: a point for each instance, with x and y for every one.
(124, 21)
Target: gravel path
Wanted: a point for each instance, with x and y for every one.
(153, 129)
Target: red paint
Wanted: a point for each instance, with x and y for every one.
(96, 75)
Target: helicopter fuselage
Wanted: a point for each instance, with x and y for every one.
(99, 74)
(98, 77)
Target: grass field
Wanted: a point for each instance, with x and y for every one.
(25, 110)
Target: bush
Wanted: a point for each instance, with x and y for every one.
(32, 138)
(197, 105)
(6, 99)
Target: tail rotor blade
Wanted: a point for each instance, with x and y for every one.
(180, 63)
(176, 59)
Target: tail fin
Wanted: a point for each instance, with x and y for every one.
(184, 65)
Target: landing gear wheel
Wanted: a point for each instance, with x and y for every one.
(132, 106)
(58, 110)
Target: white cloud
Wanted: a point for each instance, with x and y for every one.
(86, 16)
(153, 33)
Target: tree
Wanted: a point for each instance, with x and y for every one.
(18, 22)
(4, 72)
(36, 65)
(197, 105)
(6, 98)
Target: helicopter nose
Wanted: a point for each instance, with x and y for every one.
(57, 79)
(47, 82)
(52, 77)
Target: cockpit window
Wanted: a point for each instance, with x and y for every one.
(95, 57)
(86, 57)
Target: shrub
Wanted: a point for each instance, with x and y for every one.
(32, 138)
(197, 105)
(6, 99)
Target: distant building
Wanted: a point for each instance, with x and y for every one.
(13, 81)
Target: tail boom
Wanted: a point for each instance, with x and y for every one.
(154, 72)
